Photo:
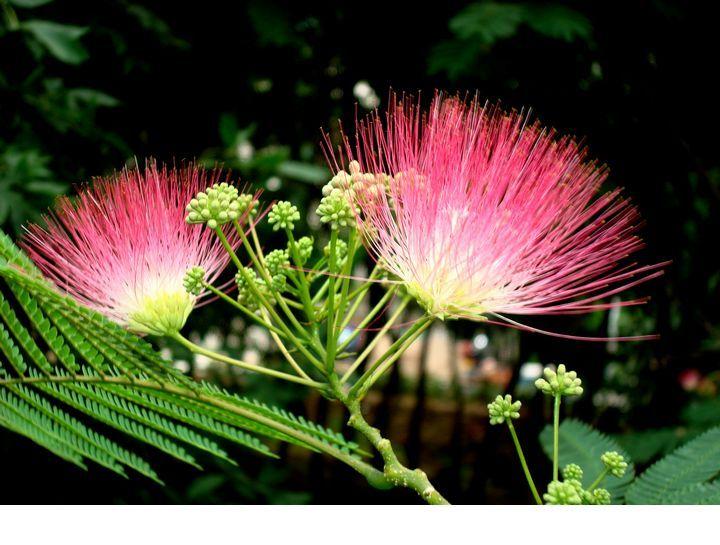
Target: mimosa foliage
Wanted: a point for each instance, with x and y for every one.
(68, 376)
(687, 475)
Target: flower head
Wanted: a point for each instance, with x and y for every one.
(572, 471)
(561, 382)
(615, 463)
(503, 408)
(481, 213)
(562, 493)
(123, 248)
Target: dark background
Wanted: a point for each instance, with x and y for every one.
(249, 84)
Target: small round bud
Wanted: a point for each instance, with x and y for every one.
(562, 493)
(599, 496)
(277, 262)
(615, 463)
(560, 382)
(572, 471)
(193, 280)
(283, 215)
(335, 210)
(503, 408)
(215, 206)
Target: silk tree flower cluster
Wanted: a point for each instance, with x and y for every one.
(471, 211)
(482, 214)
(122, 247)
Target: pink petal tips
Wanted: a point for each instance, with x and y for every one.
(122, 247)
(482, 213)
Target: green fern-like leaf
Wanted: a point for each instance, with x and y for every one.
(77, 375)
(683, 476)
(582, 445)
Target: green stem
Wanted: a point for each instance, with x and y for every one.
(523, 463)
(396, 350)
(331, 333)
(304, 287)
(246, 311)
(597, 481)
(262, 269)
(244, 365)
(263, 300)
(369, 317)
(556, 435)
(394, 472)
(345, 280)
(370, 347)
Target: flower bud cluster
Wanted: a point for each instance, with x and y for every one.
(503, 408)
(572, 471)
(283, 215)
(563, 493)
(248, 284)
(561, 382)
(615, 463)
(218, 205)
(193, 280)
(304, 248)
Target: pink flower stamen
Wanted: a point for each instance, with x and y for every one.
(480, 212)
(122, 247)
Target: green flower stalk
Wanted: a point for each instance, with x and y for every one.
(505, 410)
(558, 384)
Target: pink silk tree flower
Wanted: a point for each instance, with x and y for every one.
(122, 247)
(481, 213)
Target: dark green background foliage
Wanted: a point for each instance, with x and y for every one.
(86, 87)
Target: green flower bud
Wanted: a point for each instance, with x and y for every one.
(599, 496)
(335, 210)
(560, 382)
(277, 262)
(283, 215)
(245, 292)
(247, 205)
(216, 206)
(560, 493)
(572, 471)
(575, 484)
(193, 280)
(502, 409)
(279, 282)
(304, 248)
(615, 463)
